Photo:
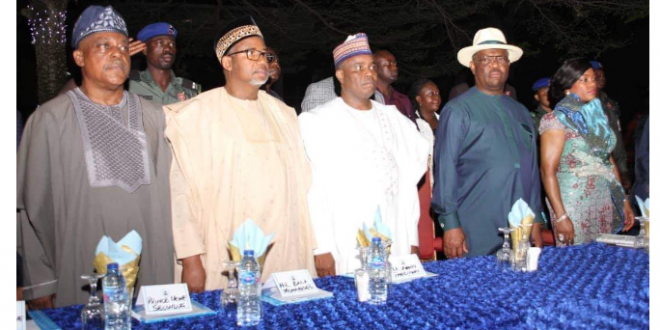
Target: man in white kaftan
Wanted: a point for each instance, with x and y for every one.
(365, 156)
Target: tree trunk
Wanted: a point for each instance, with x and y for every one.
(47, 19)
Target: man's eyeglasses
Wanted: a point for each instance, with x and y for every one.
(488, 60)
(254, 55)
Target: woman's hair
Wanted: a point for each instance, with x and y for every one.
(567, 74)
(415, 89)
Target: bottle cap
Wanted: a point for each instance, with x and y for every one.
(113, 266)
(375, 240)
(248, 253)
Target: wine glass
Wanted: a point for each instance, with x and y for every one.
(93, 315)
(229, 296)
(505, 254)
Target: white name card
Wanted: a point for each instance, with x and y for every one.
(406, 268)
(165, 299)
(20, 315)
(293, 283)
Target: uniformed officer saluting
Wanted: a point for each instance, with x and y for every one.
(158, 83)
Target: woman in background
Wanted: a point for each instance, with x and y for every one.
(425, 98)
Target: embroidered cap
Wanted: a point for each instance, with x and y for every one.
(357, 44)
(235, 31)
(97, 19)
(541, 83)
(155, 30)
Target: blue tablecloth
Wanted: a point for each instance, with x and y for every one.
(584, 287)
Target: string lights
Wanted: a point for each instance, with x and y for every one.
(47, 26)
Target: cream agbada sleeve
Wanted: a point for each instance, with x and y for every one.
(186, 216)
(186, 225)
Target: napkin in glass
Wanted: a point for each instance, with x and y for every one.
(126, 253)
(520, 214)
(248, 236)
(378, 229)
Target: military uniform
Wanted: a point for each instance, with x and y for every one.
(179, 89)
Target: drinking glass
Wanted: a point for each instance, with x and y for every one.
(364, 257)
(642, 240)
(520, 258)
(93, 315)
(386, 245)
(505, 254)
(229, 296)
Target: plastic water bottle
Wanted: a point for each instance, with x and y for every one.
(115, 300)
(248, 311)
(377, 273)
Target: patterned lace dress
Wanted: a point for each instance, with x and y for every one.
(584, 185)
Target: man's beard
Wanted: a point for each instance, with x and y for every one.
(255, 82)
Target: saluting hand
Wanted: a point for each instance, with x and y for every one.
(136, 46)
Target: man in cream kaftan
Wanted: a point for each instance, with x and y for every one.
(238, 157)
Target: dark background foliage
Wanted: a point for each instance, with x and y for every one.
(424, 35)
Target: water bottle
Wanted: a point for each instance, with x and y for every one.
(115, 300)
(248, 311)
(377, 273)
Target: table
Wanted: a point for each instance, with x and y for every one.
(592, 286)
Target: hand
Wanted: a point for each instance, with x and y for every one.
(455, 244)
(629, 216)
(42, 302)
(414, 250)
(625, 182)
(325, 265)
(193, 274)
(566, 230)
(537, 238)
(136, 46)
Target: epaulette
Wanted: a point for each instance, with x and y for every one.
(189, 84)
(134, 75)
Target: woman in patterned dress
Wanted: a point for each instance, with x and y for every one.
(580, 179)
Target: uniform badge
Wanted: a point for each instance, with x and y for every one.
(170, 30)
(181, 96)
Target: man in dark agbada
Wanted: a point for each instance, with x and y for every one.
(486, 154)
(93, 162)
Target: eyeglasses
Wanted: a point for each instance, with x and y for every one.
(254, 55)
(488, 60)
